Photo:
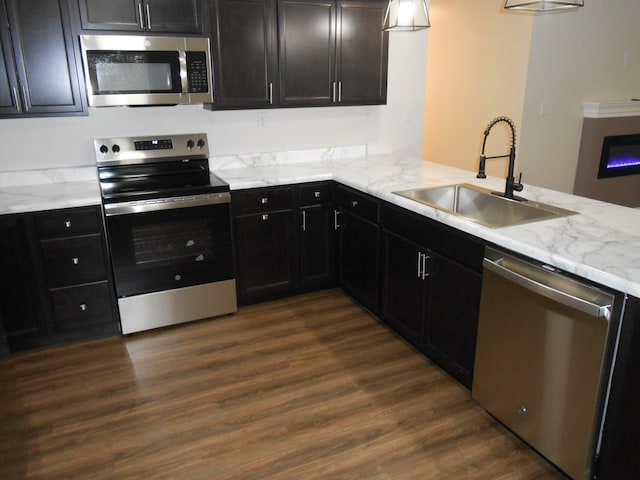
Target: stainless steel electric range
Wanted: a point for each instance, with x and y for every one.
(169, 229)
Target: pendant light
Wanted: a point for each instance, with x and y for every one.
(406, 15)
(543, 5)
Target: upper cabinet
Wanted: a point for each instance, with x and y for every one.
(299, 53)
(332, 52)
(39, 64)
(154, 16)
(245, 52)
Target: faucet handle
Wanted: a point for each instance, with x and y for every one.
(518, 185)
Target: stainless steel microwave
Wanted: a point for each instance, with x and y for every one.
(141, 70)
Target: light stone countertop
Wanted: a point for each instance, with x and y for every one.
(601, 243)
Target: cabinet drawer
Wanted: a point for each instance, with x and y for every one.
(74, 260)
(262, 200)
(68, 223)
(358, 203)
(78, 307)
(316, 194)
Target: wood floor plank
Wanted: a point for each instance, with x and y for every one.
(307, 387)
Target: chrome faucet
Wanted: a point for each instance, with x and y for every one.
(510, 185)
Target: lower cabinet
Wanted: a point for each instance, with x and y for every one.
(284, 239)
(359, 246)
(59, 288)
(431, 282)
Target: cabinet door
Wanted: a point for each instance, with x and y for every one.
(362, 52)
(112, 15)
(307, 52)
(245, 55)
(45, 58)
(265, 255)
(175, 16)
(317, 246)
(21, 306)
(452, 321)
(359, 253)
(8, 80)
(404, 286)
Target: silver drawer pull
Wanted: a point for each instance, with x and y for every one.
(67, 223)
(264, 200)
(316, 194)
(83, 307)
(75, 260)
(265, 216)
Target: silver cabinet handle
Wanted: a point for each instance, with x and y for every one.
(83, 307)
(67, 223)
(422, 265)
(270, 93)
(148, 16)
(265, 217)
(334, 93)
(336, 224)
(304, 220)
(26, 98)
(339, 91)
(316, 194)
(141, 15)
(354, 203)
(75, 260)
(264, 200)
(16, 99)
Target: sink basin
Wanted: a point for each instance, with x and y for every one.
(482, 206)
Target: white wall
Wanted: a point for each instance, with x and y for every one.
(396, 127)
(575, 56)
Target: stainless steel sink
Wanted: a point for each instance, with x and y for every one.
(482, 206)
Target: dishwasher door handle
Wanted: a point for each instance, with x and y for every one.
(597, 304)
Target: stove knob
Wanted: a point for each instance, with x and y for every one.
(115, 148)
(200, 143)
(104, 149)
(190, 144)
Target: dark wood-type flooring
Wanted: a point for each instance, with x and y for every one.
(302, 388)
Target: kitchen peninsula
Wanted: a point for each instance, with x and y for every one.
(601, 243)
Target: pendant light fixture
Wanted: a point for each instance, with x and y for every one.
(543, 5)
(406, 15)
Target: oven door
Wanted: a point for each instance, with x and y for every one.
(169, 248)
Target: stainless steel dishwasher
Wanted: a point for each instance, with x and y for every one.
(541, 355)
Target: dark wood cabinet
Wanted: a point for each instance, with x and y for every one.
(59, 288)
(451, 326)
(405, 287)
(40, 67)
(244, 45)
(618, 458)
(332, 52)
(284, 240)
(160, 16)
(432, 278)
(359, 246)
(265, 238)
(317, 235)
(298, 53)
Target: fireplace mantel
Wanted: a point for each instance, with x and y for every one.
(611, 109)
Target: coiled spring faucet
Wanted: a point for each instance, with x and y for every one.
(510, 185)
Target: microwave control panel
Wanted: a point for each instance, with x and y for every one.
(197, 72)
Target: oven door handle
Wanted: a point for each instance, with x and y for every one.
(159, 204)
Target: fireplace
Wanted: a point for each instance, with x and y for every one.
(609, 159)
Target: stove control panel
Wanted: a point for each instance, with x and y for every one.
(127, 150)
